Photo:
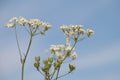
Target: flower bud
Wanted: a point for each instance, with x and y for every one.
(36, 65)
(89, 32)
(37, 58)
(81, 31)
(56, 65)
(50, 59)
(45, 61)
(68, 49)
(45, 69)
(71, 67)
(73, 56)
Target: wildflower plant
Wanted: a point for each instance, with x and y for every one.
(33, 27)
(59, 54)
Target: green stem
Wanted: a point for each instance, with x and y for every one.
(70, 50)
(57, 73)
(18, 45)
(53, 73)
(66, 57)
(63, 75)
(24, 60)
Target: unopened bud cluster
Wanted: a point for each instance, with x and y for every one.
(47, 64)
(37, 62)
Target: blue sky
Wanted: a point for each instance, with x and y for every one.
(98, 56)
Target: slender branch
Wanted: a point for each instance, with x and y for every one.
(71, 49)
(63, 75)
(27, 29)
(19, 50)
(57, 73)
(24, 61)
(76, 40)
(40, 72)
(22, 74)
(28, 46)
(53, 73)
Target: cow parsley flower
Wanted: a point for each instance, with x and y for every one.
(22, 21)
(73, 56)
(89, 32)
(35, 23)
(10, 25)
(13, 20)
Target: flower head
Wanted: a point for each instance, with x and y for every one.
(68, 49)
(56, 49)
(22, 21)
(35, 23)
(73, 56)
(71, 67)
(10, 25)
(14, 19)
(89, 32)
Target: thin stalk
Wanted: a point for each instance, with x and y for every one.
(40, 72)
(70, 50)
(47, 76)
(19, 50)
(24, 60)
(27, 29)
(66, 57)
(57, 73)
(53, 73)
(63, 75)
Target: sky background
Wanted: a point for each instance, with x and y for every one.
(98, 56)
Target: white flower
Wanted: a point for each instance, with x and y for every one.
(66, 33)
(64, 28)
(52, 48)
(89, 32)
(73, 56)
(61, 56)
(35, 23)
(81, 26)
(72, 33)
(56, 49)
(61, 46)
(46, 25)
(22, 21)
(81, 31)
(12, 22)
(10, 25)
(58, 53)
(72, 26)
(14, 19)
(68, 41)
(68, 49)
(76, 30)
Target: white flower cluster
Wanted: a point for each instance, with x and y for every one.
(74, 30)
(73, 55)
(33, 23)
(57, 49)
(62, 51)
